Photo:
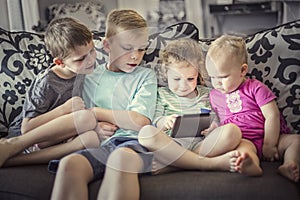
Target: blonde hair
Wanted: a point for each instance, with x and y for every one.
(123, 20)
(63, 35)
(183, 49)
(233, 46)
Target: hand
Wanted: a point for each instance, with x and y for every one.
(270, 153)
(73, 104)
(212, 126)
(169, 121)
(106, 130)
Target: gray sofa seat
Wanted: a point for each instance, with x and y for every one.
(35, 182)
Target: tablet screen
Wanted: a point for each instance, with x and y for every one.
(191, 125)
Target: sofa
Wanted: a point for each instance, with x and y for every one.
(274, 58)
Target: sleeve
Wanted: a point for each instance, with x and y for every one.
(204, 93)
(261, 93)
(159, 110)
(38, 99)
(144, 101)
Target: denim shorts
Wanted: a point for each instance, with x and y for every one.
(98, 156)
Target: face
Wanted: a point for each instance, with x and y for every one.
(226, 73)
(81, 60)
(126, 50)
(182, 78)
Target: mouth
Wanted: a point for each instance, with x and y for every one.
(90, 67)
(132, 65)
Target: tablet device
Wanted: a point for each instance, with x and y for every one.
(190, 125)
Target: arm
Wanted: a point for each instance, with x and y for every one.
(124, 119)
(73, 104)
(161, 120)
(213, 125)
(272, 130)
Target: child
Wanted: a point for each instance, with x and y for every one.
(123, 94)
(252, 106)
(182, 60)
(53, 112)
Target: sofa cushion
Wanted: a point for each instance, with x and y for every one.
(22, 56)
(274, 59)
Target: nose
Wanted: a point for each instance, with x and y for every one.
(90, 59)
(183, 84)
(135, 54)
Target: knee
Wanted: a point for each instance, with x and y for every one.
(69, 164)
(294, 139)
(85, 120)
(147, 135)
(89, 139)
(232, 134)
(125, 160)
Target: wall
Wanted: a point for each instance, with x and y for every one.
(43, 4)
(4, 15)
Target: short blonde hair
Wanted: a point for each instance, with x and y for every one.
(63, 35)
(183, 49)
(230, 45)
(123, 20)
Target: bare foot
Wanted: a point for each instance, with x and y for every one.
(227, 161)
(246, 165)
(290, 171)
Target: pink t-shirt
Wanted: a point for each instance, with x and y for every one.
(242, 107)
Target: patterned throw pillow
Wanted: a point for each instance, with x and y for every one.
(90, 13)
(22, 56)
(274, 59)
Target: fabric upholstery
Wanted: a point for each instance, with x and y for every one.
(22, 56)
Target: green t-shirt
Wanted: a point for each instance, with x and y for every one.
(135, 91)
(169, 103)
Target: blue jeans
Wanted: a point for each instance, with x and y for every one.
(98, 156)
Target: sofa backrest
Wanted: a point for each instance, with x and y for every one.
(274, 58)
(22, 56)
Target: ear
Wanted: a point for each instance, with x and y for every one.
(58, 61)
(106, 45)
(244, 69)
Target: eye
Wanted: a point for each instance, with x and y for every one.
(142, 50)
(127, 48)
(191, 79)
(80, 59)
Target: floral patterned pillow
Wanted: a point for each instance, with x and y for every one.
(274, 59)
(22, 56)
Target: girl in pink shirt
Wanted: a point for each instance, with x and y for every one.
(252, 106)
